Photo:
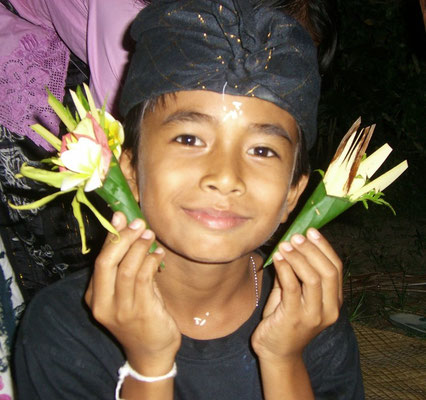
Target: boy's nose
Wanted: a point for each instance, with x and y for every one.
(223, 175)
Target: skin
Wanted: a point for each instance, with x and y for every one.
(214, 169)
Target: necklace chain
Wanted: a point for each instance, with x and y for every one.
(202, 321)
(256, 283)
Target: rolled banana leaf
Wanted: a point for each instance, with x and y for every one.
(117, 194)
(318, 210)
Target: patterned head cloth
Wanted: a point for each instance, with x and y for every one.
(226, 46)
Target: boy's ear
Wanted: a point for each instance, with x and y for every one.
(129, 172)
(293, 196)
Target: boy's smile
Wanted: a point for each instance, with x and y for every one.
(214, 169)
(216, 218)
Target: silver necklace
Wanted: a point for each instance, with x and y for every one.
(256, 283)
(202, 321)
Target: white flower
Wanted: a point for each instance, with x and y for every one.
(349, 172)
(84, 158)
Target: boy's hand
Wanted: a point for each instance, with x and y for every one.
(306, 298)
(124, 297)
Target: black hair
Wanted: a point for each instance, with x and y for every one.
(133, 128)
(319, 18)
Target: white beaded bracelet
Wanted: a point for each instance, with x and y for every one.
(127, 370)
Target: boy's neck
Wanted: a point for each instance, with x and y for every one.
(210, 301)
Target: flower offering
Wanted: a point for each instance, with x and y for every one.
(346, 182)
(86, 160)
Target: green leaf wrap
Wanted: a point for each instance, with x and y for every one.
(116, 192)
(318, 210)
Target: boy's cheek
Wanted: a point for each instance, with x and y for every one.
(293, 196)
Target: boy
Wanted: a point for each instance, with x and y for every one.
(220, 103)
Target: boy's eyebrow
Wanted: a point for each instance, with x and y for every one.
(194, 116)
(272, 129)
(188, 116)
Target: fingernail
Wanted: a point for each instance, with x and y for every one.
(286, 246)
(159, 250)
(135, 224)
(115, 220)
(299, 239)
(147, 234)
(314, 234)
(278, 256)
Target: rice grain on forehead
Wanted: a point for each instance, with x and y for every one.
(237, 47)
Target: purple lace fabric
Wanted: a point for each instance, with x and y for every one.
(38, 62)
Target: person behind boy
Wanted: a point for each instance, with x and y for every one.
(220, 103)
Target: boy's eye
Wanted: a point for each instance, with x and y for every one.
(262, 152)
(189, 140)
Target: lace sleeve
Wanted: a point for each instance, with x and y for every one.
(33, 59)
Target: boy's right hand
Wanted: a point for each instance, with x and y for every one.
(124, 297)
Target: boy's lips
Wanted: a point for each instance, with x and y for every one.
(216, 219)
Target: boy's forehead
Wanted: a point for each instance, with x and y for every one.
(215, 103)
(207, 107)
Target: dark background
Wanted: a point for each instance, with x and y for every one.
(379, 74)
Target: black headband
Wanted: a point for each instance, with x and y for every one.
(226, 46)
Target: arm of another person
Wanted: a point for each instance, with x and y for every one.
(108, 45)
(306, 298)
(94, 31)
(68, 18)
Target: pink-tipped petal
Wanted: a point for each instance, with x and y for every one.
(103, 141)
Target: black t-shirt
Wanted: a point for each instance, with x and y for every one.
(62, 353)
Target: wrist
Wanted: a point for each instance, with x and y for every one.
(264, 354)
(280, 361)
(127, 370)
(153, 365)
(138, 379)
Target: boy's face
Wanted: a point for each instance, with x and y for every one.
(214, 173)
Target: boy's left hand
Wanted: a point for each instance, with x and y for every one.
(306, 297)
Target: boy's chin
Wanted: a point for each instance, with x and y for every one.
(206, 254)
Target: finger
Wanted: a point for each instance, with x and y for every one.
(129, 267)
(292, 291)
(144, 283)
(324, 246)
(276, 282)
(119, 222)
(100, 275)
(321, 242)
(106, 264)
(309, 278)
(274, 298)
(326, 270)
